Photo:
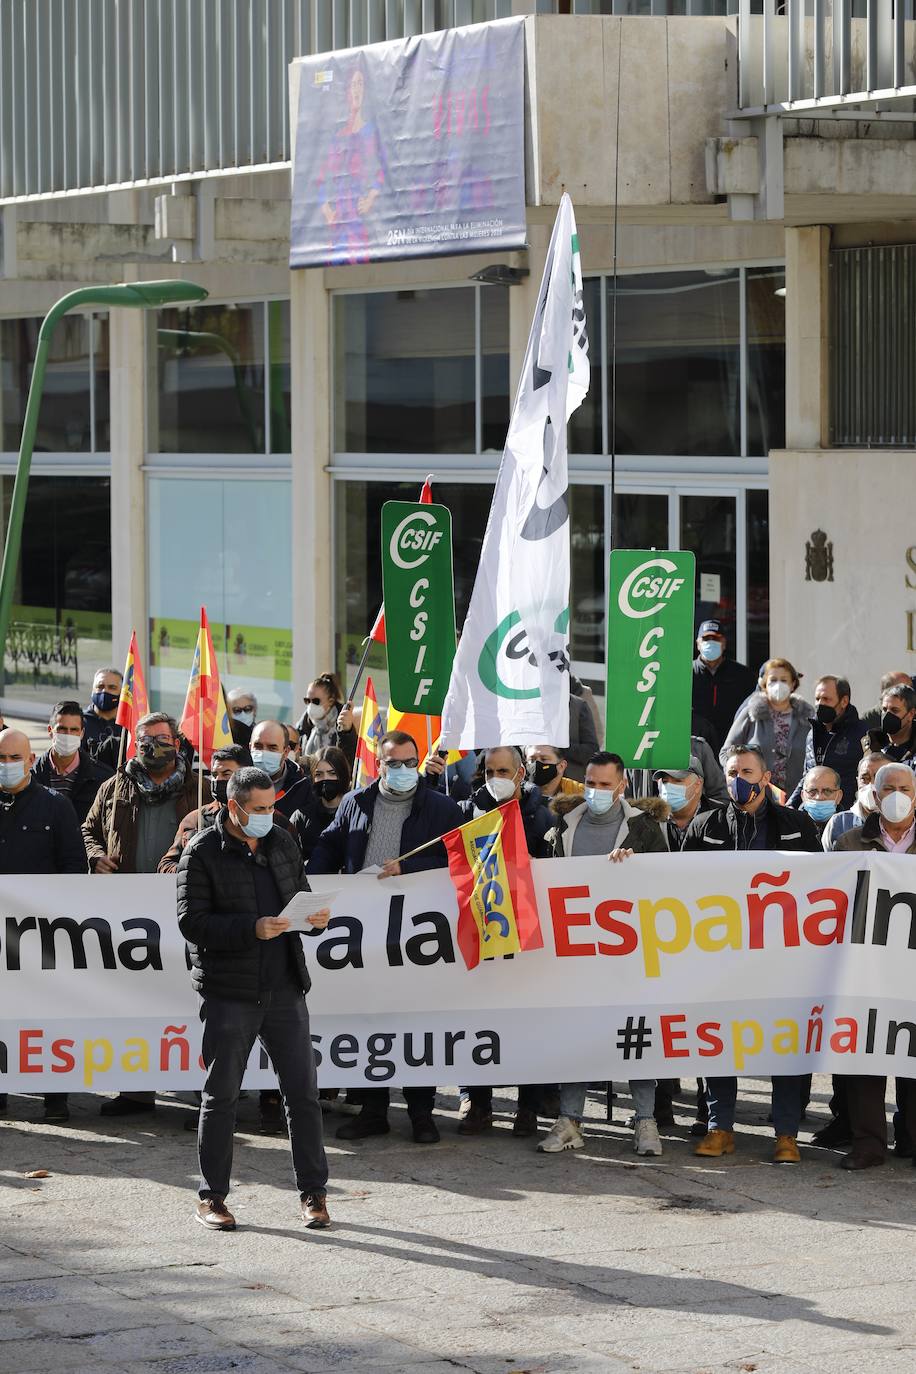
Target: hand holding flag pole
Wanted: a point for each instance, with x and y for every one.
(133, 704)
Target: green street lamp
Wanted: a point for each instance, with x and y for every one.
(143, 295)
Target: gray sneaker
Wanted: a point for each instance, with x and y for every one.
(645, 1138)
(565, 1135)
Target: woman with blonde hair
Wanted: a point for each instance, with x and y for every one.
(777, 720)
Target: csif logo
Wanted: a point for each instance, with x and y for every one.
(414, 534)
(647, 591)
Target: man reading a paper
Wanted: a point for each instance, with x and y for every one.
(234, 881)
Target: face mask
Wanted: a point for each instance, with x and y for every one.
(316, 713)
(866, 798)
(826, 714)
(542, 773)
(258, 825)
(674, 793)
(268, 760)
(11, 774)
(65, 746)
(329, 788)
(820, 809)
(105, 701)
(742, 791)
(501, 789)
(891, 724)
(218, 789)
(599, 801)
(778, 691)
(710, 650)
(896, 807)
(244, 717)
(155, 755)
(402, 779)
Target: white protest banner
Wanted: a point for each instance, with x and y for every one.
(662, 966)
(510, 677)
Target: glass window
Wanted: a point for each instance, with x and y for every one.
(278, 375)
(405, 370)
(60, 629)
(207, 543)
(585, 434)
(708, 530)
(211, 380)
(494, 368)
(587, 581)
(678, 363)
(766, 359)
(65, 418)
(758, 577)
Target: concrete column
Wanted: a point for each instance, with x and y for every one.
(128, 335)
(523, 300)
(310, 372)
(807, 378)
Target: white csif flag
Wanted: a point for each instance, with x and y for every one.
(510, 679)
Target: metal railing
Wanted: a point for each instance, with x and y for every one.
(107, 93)
(827, 56)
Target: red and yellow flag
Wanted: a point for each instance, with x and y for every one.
(489, 863)
(133, 702)
(371, 729)
(377, 633)
(205, 719)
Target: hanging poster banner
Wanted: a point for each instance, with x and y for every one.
(411, 149)
(650, 657)
(419, 591)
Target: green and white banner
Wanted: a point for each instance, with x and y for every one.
(650, 657)
(419, 591)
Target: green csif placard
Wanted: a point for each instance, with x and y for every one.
(419, 592)
(650, 657)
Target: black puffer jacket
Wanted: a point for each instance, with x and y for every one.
(218, 912)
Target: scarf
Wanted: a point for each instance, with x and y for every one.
(156, 793)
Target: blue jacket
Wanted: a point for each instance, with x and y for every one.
(537, 818)
(342, 847)
(839, 749)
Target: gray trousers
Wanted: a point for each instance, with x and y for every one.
(230, 1030)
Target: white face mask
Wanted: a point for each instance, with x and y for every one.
(896, 807)
(65, 746)
(501, 789)
(866, 798)
(316, 713)
(778, 691)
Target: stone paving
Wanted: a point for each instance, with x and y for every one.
(475, 1254)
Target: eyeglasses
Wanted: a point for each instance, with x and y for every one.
(820, 793)
(313, 701)
(401, 763)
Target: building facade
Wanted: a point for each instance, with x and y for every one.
(750, 266)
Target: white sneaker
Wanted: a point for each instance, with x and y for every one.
(645, 1138)
(565, 1135)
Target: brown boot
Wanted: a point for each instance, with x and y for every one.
(785, 1151)
(476, 1121)
(213, 1213)
(715, 1144)
(314, 1207)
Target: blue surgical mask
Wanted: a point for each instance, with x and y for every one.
(244, 717)
(674, 793)
(820, 809)
(259, 824)
(12, 774)
(742, 791)
(402, 779)
(710, 650)
(599, 801)
(268, 760)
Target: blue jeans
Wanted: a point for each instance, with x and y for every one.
(722, 1094)
(230, 1030)
(572, 1098)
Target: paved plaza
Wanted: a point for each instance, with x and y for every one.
(477, 1254)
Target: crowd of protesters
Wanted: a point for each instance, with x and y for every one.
(768, 770)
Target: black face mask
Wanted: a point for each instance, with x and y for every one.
(541, 773)
(329, 788)
(218, 789)
(105, 701)
(826, 714)
(155, 755)
(891, 724)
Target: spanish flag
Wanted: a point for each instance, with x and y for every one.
(133, 702)
(422, 729)
(489, 863)
(205, 719)
(377, 633)
(371, 729)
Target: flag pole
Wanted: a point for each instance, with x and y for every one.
(368, 642)
(200, 757)
(122, 748)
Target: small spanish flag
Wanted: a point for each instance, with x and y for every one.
(422, 729)
(133, 702)
(489, 863)
(371, 729)
(205, 719)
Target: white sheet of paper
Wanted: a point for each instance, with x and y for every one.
(306, 904)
